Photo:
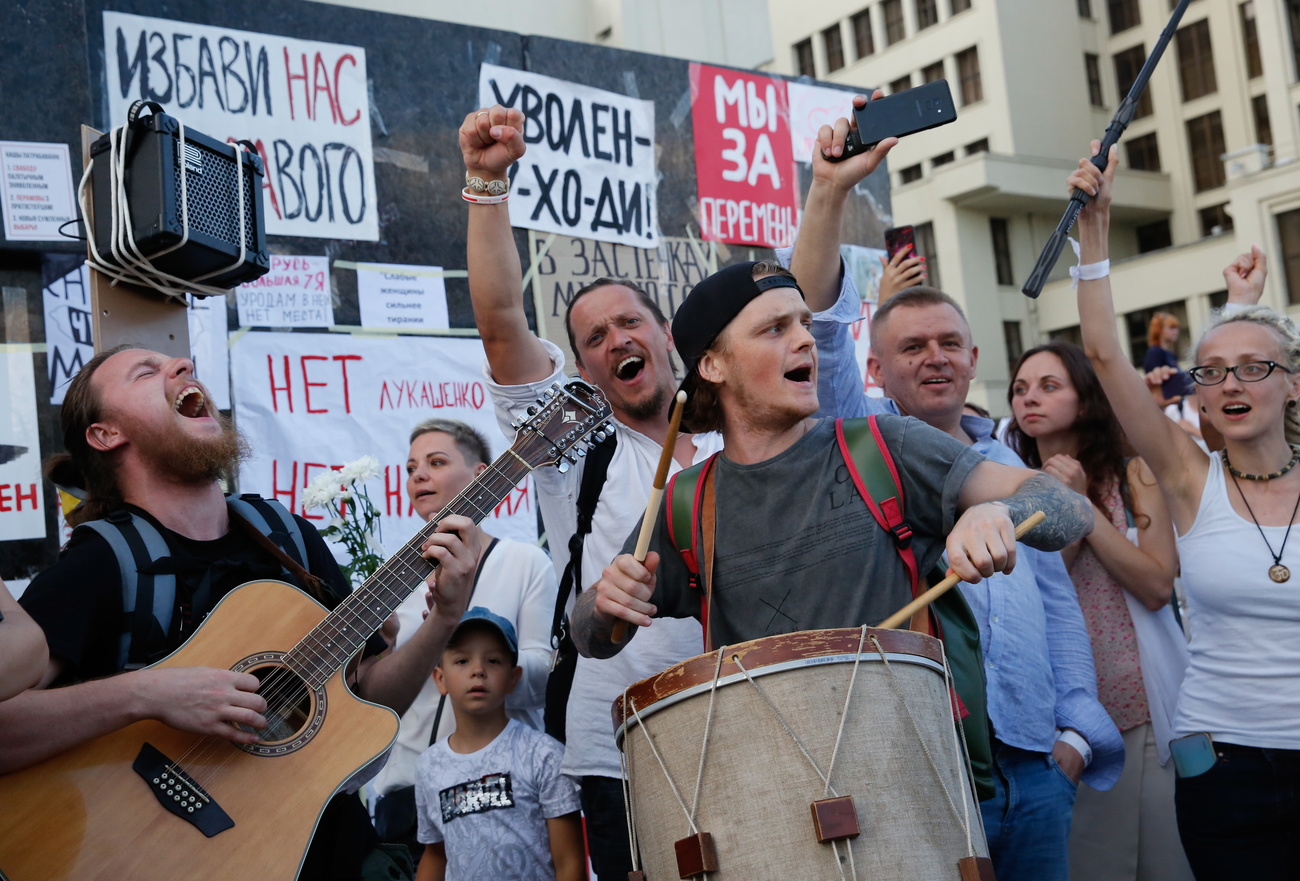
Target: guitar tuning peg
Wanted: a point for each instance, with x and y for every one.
(562, 466)
(532, 410)
(582, 452)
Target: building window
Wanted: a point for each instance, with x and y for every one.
(834, 43)
(1000, 231)
(863, 42)
(895, 30)
(980, 146)
(932, 72)
(1154, 236)
(1288, 234)
(968, 71)
(902, 84)
(1092, 69)
(923, 236)
(1143, 153)
(1014, 342)
(803, 58)
(1250, 39)
(1263, 128)
(959, 6)
(1085, 8)
(1123, 15)
(1293, 25)
(1127, 66)
(1195, 60)
(927, 13)
(911, 173)
(1215, 220)
(942, 159)
(1205, 143)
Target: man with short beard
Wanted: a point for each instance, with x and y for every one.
(142, 436)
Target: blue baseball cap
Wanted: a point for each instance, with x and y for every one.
(480, 615)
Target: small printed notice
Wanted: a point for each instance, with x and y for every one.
(36, 186)
(295, 293)
(402, 297)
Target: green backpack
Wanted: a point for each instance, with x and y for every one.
(876, 478)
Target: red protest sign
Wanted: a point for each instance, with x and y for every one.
(743, 161)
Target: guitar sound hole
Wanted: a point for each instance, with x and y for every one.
(288, 703)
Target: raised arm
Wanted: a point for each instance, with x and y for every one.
(491, 140)
(816, 261)
(1178, 463)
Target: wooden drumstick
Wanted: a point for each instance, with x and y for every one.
(905, 613)
(656, 496)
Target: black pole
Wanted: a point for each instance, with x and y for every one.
(1123, 116)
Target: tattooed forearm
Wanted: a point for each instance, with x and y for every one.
(592, 636)
(1069, 515)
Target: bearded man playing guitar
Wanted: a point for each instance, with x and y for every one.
(142, 435)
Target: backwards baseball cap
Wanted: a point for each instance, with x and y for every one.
(480, 616)
(710, 307)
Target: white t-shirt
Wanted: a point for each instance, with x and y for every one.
(518, 583)
(490, 807)
(1243, 679)
(590, 749)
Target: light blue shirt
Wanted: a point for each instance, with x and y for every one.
(1037, 655)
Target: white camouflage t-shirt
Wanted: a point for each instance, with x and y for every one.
(490, 807)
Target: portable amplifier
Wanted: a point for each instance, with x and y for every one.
(154, 163)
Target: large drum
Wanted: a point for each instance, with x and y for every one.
(827, 754)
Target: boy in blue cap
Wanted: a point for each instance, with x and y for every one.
(490, 797)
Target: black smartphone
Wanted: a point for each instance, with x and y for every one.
(899, 114)
(899, 237)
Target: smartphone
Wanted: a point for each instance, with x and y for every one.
(899, 237)
(1193, 754)
(899, 114)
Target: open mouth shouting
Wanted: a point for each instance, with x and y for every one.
(802, 375)
(190, 402)
(1236, 410)
(629, 368)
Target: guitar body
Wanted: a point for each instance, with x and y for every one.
(88, 814)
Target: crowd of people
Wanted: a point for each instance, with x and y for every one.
(1126, 735)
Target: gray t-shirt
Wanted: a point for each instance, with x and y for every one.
(797, 548)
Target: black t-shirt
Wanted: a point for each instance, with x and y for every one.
(78, 603)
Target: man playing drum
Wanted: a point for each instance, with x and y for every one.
(795, 547)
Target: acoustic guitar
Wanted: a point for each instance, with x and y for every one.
(150, 802)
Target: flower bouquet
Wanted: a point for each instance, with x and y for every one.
(354, 523)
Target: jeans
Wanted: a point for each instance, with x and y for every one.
(606, 816)
(1241, 818)
(1027, 820)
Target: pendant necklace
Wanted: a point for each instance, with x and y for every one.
(1277, 571)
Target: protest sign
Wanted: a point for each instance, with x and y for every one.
(812, 107)
(590, 166)
(209, 328)
(744, 167)
(68, 330)
(22, 497)
(311, 401)
(294, 293)
(36, 190)
(402, 297)
(562, 265)
(302, 102)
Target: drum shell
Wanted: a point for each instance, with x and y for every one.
(757, 788)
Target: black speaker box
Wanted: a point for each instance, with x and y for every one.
(154, 163)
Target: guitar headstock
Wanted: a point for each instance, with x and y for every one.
(559, 428)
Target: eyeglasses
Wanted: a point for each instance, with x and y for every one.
(1251, 371)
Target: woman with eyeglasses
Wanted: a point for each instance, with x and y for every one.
(1063, 424)
(1237, 727)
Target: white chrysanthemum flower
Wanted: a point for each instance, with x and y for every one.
(362, 469)
(374, 545)
(319, 494)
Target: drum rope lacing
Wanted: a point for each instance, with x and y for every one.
(699, 771)
(963, 817)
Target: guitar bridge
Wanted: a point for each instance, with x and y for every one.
(179, 793)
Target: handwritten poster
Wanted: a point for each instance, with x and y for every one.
(745, 171)
(22, 495)
(295, 293)
(590, 166)
(303, 103)
(36, 190)
(812, 107)
(307, 402)
(68, 333)
(402, 297)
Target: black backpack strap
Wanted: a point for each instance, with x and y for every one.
(273, 520)
(593, 481)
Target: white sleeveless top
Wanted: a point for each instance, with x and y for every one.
(1243, 684)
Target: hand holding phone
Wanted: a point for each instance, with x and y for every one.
(899, 237)
(899, 114)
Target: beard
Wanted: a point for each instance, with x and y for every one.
(650, 406)
(187, 459)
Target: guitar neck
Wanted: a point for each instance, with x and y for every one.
(342, 634)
